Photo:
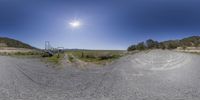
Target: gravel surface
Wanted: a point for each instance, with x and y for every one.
(149, 75)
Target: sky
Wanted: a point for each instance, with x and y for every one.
(104, 24)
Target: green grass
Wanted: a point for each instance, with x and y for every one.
(55, 58)
(96, 56)
(71, 59)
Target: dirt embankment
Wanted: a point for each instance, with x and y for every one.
(189, 49)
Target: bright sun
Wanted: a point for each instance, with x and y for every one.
(75, 24)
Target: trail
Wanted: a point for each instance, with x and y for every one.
(153, 75)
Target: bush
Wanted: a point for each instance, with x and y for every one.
(151, 44)
(44, 54)
(90, 56)
(71, 59)
(172, 46)
(132, 47)
(141, 46)
(104, 57)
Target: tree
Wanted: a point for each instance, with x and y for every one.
(172, 46)
(141, 46)
(132, 47)
(162, 46)
(151, 44)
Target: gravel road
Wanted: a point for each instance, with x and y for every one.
(149, 75)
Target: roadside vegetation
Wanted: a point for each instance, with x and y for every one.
(94, 56)
(71, 58)
(27, 54)
(56, 58)
(90, 56)
(193, 41)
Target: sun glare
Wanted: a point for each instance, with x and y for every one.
(75, 24)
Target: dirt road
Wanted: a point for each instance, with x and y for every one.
(152, 75)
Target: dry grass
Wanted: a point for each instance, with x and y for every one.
(14, 50)
(96, 56)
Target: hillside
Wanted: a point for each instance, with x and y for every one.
(8, 42)
(193, 41)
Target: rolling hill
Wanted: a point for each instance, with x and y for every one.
(8, 42)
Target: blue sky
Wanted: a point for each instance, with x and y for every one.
(105, 24)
